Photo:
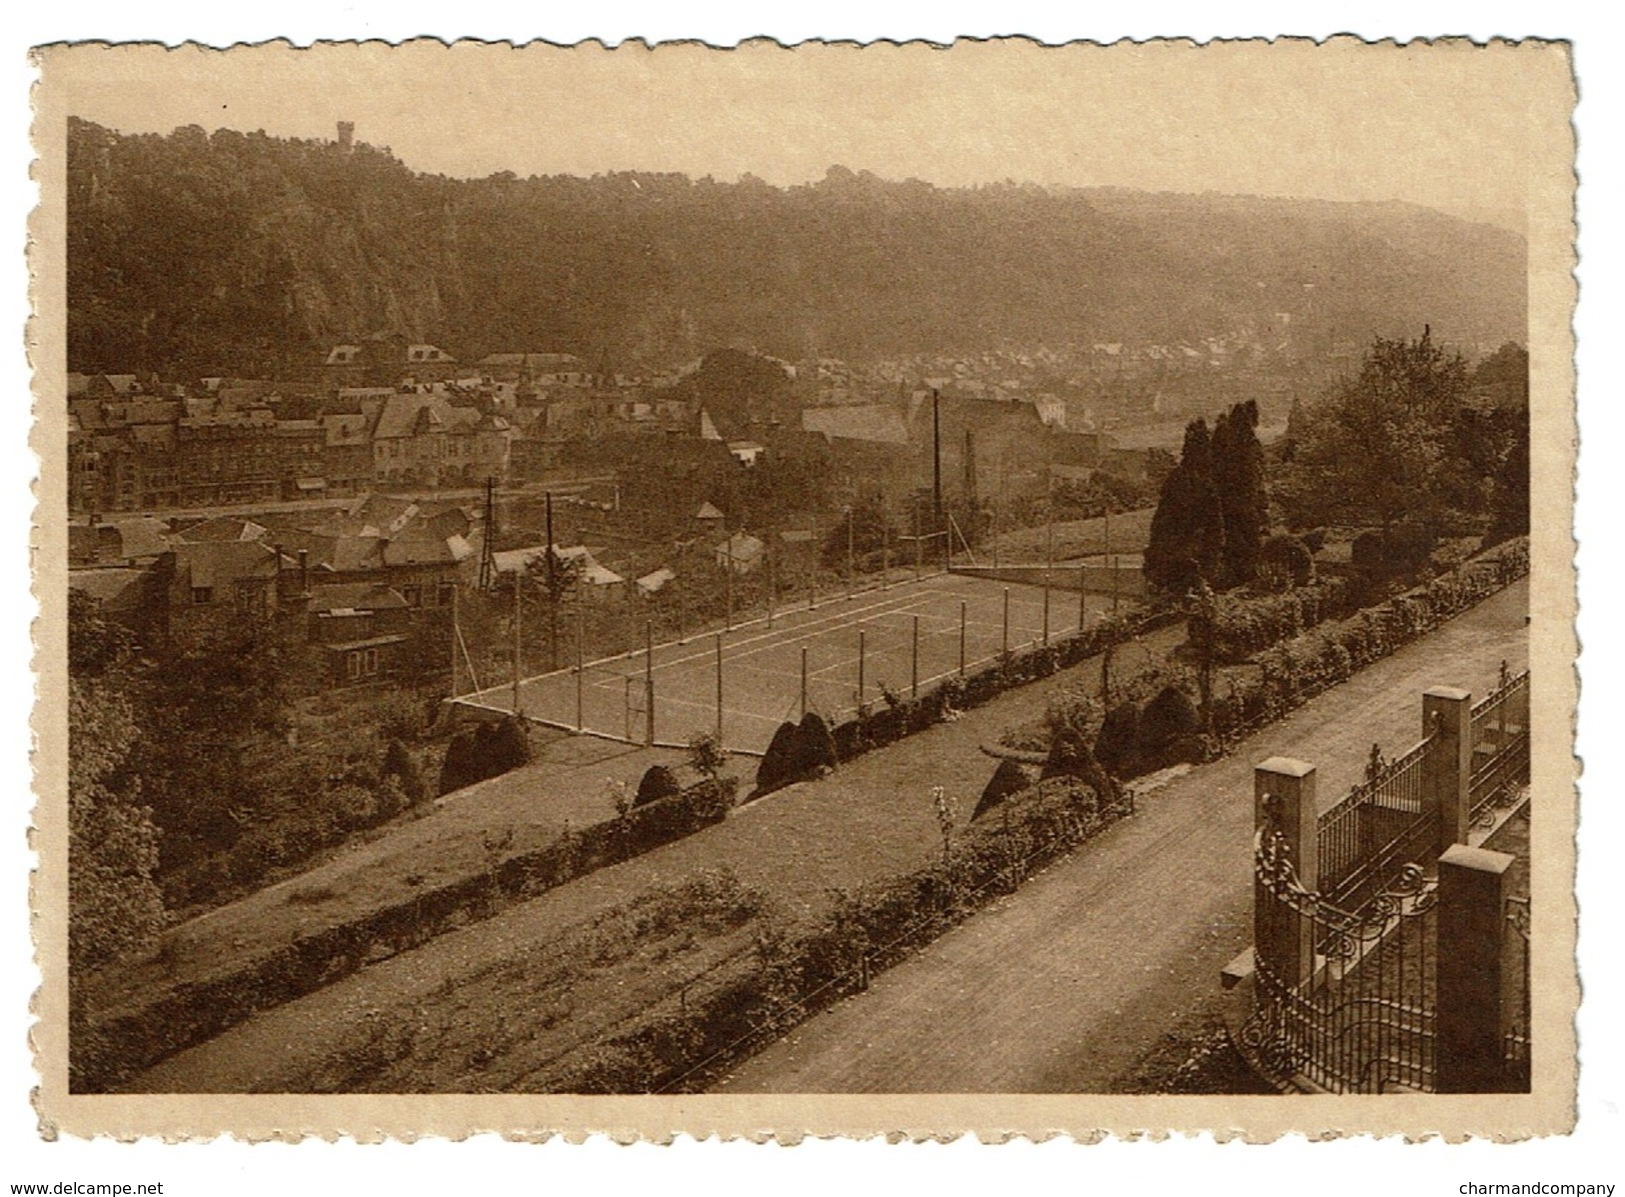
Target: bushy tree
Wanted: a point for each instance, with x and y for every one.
(1372, 453)
(115, 906)
(706, 755)
(1509, 497)
(871, 529)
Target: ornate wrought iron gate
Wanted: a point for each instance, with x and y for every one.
(1362, 1021)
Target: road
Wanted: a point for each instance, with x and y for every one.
(1064, 985)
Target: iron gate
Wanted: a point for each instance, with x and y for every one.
(1363, 1021)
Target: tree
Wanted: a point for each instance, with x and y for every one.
(1509, 498)
(867, 529)
(115, 907)
(556, 578)
(1238, 477)
(1372, 453)
(213, 751)
(706, 755)
(1186, 541)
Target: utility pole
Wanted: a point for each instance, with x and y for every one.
(455, 633)
(487, 537)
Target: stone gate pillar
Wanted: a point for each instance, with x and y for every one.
(1475, 971)
(1448, 773)
(1284, 798)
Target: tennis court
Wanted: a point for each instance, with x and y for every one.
(828, 658)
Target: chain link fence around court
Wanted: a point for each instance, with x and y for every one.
(833, 657)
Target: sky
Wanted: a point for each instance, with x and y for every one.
(1442, 126)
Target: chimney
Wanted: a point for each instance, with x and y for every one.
(346, 136)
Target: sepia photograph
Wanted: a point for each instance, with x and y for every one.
(750, 577)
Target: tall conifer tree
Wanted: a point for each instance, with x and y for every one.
(1186, 543)
(1238, 476)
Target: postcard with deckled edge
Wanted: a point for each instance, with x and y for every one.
(819, 590)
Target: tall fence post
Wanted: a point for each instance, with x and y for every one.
(914, 661)
(719, 689)
(1284, 802)
(581, 671)
(961, 637)
(1475, 981)
(1447, 713)
(803, 681)
(649, 682)
(861, 654)
(1004, 644)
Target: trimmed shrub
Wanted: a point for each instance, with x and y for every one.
(1168, 717)
(657, 782)
(488, 750)
(1007, 780)
(1289, 557)
(1394, 552)
(1117, 743)
(815, 745)
(506, 746)
(400, 764)
(778, 762)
